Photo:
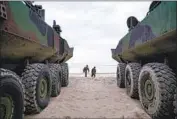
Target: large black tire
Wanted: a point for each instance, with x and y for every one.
(175, 104)
(132, 71)
(157, 84)
(11, 95)
(64, 74)
(56, 79)
(37, 81)
(121, 75)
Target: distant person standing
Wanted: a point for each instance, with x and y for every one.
(93, 72)
(85, 70)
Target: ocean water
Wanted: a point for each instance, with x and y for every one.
(100, 68)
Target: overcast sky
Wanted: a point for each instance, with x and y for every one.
(93, 28)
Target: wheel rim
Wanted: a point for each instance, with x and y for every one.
(148, 93)
(118, 76)
(149, 88)
(67, 74)
(6, 107)
(67, 77)
(128, 81)
(43, 88)
(58, 87)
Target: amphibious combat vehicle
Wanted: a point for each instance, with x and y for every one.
(33, 59)
(147, 60)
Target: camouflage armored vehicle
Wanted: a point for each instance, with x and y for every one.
(147, 60)
(33, 59)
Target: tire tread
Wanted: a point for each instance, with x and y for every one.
(167, 85)
(64, 74)
(135, 68)
(121, 80)
(29, 79)
(54, 69)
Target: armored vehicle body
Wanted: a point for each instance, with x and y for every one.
(33, 59)
(147, 60)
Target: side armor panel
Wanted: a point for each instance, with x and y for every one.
(160, 21)
(26, 23)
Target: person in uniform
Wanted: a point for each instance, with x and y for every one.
(93, 72)
(85, 70)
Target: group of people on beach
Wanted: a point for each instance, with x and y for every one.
(86, 70)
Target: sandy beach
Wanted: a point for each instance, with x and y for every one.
(86, 97)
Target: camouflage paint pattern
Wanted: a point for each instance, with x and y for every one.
(162, 20)
(24, 25)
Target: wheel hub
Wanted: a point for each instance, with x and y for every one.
(149, 89)
(6, 107)
(43, 88)
(148, 93)
(2, 111)
(58, 86)
(128, 81)
(118, 74)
